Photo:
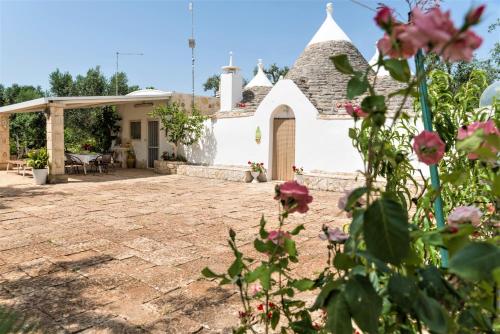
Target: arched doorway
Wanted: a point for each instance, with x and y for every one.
(283, 143)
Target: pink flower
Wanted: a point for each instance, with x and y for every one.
(278, 237)
(397, 44)
(462, 47)
(355, 111)
(384, 17)
(293, 196)
(474, 15)
(465, 214)
(433, 28)
(488, 127)
(255, 289)
(429, 147)
(333, 235)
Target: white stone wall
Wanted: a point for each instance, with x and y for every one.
(320, 144)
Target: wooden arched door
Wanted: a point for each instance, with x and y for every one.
(283, 148)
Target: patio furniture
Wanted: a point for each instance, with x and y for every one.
(18, 164)
(105, 162)
(72, 162)
(85, 159)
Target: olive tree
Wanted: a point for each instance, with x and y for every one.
(180, 126)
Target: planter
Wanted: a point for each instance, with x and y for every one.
(130, 163)
(299, 178)
(40, 176)
(255, 175)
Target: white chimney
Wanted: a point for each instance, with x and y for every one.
(231, 86)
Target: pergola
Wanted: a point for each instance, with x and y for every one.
(54, 107)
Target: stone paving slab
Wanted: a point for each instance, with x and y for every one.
(123, 252)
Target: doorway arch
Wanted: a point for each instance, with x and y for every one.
(282, 145)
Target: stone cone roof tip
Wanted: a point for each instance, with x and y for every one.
(260, 79)
(329, 30)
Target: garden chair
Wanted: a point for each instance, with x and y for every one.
(72, 163)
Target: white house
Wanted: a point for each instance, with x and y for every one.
(301, 119)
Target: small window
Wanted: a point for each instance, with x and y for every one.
(135, 130)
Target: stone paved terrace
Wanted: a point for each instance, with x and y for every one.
(122, 253)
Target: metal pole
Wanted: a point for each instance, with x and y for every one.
(426, 115)
(192, 45)
(116, 73)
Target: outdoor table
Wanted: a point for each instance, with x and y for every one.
(86, 159)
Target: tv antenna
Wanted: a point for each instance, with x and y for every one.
(118, 54)
(192, 44)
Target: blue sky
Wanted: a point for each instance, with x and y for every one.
(36, 37)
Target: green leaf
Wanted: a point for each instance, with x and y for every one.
(398, 69)
(343, 261)
(260, 246)
(289, 246)
(235, 268)
(297, 230)
(357, 223)
(456, 241)
(209, 273)
(374, 103)
(402, 291)
(303, 284)
(476, 261)
(385, 230)
(431, 313)
(255, 274)
(341, 63)
(364, 303)
(262, 231)
(356, 86)
(324, 295)
(338, 318)
(354, 196)
(275, 319)
(265, 279)
(352, 133)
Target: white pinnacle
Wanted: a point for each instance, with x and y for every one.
(382, 72)
(329, 30)
(260, 79)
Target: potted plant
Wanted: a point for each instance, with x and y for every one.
(38, 160)
(130, 158)
(255, 169)
(299, 174)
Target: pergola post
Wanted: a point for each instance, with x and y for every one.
(4, 140)
(55, 144)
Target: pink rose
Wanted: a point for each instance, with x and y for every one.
(429, 147)
(474, 15)
(397, 44)
(355, 111)
(384, 17)
(255, 289)
(278, 237)
(293, 196)
(462, 47)
(488, 127)
(433, 28)
(333, 235)
(465, 214)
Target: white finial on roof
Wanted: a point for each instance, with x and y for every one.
(329, 8)
(382, 72)
(329, 30)
(230, 68)
(260, 79)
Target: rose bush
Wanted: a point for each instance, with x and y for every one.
(383, 273)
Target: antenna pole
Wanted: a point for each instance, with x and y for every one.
(192, 45)
(116, 72)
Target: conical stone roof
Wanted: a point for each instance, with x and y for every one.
(317, 77)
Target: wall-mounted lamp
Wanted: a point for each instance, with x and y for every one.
(258, 135)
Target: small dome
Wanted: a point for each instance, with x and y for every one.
(148, 92)
(491, 93)
(260, 79)
(329, 30)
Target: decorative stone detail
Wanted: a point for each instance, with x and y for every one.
(167, 167)
(232, 114)
(229, 173)
(333, 181)
(4, 140)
